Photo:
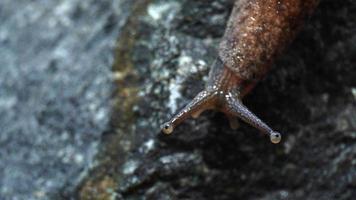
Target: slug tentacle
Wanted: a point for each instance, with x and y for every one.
(235, 107)
(223, 93)
(203, 101)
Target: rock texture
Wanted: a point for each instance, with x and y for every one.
(55, 87)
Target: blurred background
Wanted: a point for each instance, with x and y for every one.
(85, 85)
(55, 77)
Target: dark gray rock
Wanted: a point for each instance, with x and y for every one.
(55, 87)
(162, 61)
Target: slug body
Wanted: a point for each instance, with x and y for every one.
(256, 33)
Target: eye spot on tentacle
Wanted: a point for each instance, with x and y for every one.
(275, 137)
(167, 128)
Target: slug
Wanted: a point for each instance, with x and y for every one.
(257, 32)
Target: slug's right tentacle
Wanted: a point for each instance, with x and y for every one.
(203, 101)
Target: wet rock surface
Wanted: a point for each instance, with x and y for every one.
(55, 87)
(162, 61)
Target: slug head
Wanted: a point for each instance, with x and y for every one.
(223, 93)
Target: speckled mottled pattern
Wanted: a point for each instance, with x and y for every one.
(55, 88)
(258, 30)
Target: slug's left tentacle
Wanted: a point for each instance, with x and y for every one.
(203, 101)
(235, 107)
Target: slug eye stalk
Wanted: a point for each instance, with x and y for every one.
(223, 93)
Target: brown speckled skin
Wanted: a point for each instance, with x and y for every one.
(257, 31)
